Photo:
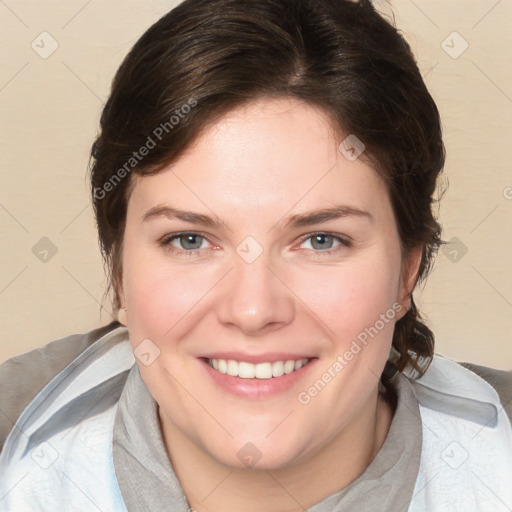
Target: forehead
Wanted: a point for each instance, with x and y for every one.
(271, 154)
(269, 125)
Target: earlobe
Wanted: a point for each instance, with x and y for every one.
(410, 277)
(404, 307)
(122, 316)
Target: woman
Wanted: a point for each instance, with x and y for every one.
(263, 185)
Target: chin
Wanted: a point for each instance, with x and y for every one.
(258, 453)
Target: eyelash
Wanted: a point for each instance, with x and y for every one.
(166, 243)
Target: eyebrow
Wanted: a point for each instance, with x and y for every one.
(184, 215)
(294, 221)
(320, 216)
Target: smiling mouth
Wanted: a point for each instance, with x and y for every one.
(265, 370)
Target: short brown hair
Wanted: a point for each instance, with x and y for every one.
(216, 55)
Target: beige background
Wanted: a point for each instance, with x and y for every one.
(49, 116)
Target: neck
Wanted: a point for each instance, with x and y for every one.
(212, 487)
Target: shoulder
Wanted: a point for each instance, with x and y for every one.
(500, 380)
(23, 376)
(467, 390)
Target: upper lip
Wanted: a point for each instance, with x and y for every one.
(257, 358)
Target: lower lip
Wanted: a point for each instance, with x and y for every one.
(257, 389)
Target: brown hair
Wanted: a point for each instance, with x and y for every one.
(207, 57)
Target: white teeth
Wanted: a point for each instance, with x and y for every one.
(222, 365)
(262, 370)
(232, 368)
(289, 366)
(246, 370)
(277, 369)
(259, 371)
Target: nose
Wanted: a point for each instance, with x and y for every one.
(255, 299)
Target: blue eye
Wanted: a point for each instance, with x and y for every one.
(324, 242)
(190, 243)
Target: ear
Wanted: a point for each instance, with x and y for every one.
(122, 316)
(408, 278)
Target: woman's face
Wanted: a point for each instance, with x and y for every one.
(290, 253)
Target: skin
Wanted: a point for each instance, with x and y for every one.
(260, 164)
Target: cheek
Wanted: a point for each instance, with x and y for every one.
(161, 294)
(356, 304)
(351, 297)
